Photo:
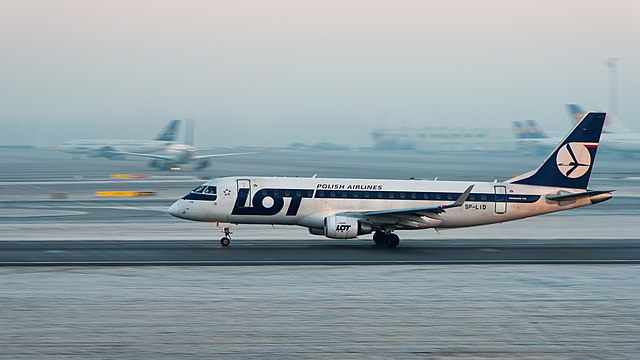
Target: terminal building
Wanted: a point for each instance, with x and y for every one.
(443, 139)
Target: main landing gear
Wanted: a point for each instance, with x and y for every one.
(226, 240)
(389, 239)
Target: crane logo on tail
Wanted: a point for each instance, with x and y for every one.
(574, 159)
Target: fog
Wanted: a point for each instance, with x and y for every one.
(269, 73)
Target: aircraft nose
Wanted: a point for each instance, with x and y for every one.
(177, 209)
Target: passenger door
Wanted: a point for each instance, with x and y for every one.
(501, 199)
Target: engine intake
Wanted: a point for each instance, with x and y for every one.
(344, 227)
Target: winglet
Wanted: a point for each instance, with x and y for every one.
(461, 199)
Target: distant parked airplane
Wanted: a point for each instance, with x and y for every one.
(112, 148)
(530, 137)
(175, 155)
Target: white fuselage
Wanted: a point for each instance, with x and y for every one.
(115, 145)
(307, 201)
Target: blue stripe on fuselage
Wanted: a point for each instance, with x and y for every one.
(378, 195)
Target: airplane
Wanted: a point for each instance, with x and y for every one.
(615, 135)
(111, 149)
(530, 138)
(175, 155)
(348, 208)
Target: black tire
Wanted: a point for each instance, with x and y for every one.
(391, 240)
(378, 237)
(225, 241)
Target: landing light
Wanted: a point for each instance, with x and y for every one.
(175, 169)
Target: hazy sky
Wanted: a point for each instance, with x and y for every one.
(262, 72)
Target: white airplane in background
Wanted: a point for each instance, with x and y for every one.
(615, 136)
(347, 208)
(175, 155)
(530, 138)
(111, 148)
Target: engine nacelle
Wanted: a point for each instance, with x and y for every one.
(344, 227)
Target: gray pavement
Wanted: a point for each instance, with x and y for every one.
(316, 252)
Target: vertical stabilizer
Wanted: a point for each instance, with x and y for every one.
(570, 164)
(170, 131)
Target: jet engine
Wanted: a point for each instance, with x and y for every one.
(344, 227)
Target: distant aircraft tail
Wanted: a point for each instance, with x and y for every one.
(570, 164)
(611, 123)
(518, 130)
(170, 131)
(576, 113)
(530, 130)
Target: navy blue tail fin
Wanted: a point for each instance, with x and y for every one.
(570, 164)
(170, 131)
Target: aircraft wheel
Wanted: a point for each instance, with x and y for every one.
(378, 237)
(391, 240)
(225, 241)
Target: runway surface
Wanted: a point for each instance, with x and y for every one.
(321, 312)
(318, 252)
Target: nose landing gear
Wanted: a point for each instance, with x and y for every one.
(226, 240)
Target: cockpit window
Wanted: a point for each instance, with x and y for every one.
(210, 190)
(199, 189)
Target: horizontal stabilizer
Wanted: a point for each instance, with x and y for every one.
(575, 196)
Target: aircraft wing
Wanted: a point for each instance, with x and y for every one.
(202, 157)
(410, 213)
